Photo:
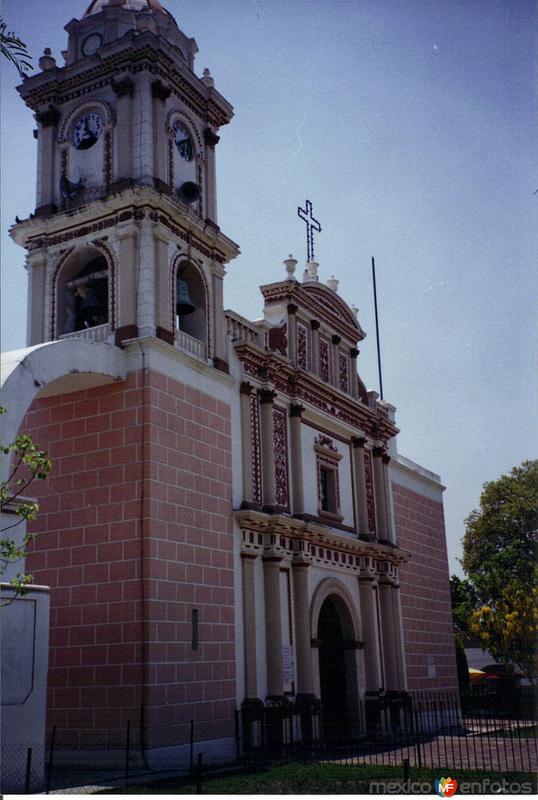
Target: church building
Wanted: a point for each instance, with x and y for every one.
(228, 524)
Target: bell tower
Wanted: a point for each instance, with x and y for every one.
(124, 240)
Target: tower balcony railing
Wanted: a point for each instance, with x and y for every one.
(99, 333)
(188, 344)
(240, 329)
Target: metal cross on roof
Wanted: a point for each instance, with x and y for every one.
(311, 226)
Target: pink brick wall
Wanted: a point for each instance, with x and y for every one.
(134, 531)
(425, 592)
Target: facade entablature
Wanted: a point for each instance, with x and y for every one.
(133, 56)
(262, 367)
(295, 541)
(130, 205)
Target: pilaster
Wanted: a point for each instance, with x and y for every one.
(249, 626)
(303, 648)
(46, 141)
(146, 280)
(267, 397)
(247, 445)
(123, 162)
(292, 333)
(380, 494)
(359, 485)
(211, 139)
(335, 361)
(160, 94)
(143, 131)
(163, 310)
(219, 354)
(37, 269)
(296, 453)
(354, 379)
(315, 326)
(389, 638)
(372, 649)
(273, 630)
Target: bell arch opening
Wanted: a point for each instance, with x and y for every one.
(82, 292)
(337, 671)
(190, 302)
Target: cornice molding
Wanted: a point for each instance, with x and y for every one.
(305, 388)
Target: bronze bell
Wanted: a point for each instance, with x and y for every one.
(93, 305)
(184, 304)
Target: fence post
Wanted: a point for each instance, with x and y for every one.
(416, 731)
(51, 755)
(127, 750)
(237, 735)
(191, 768)
(199, 770)
(406, 771)
(28, 770)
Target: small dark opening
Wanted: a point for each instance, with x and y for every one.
(195, 629)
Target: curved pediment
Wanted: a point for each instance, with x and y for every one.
(332, 304)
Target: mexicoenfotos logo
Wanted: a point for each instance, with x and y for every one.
(446, 787)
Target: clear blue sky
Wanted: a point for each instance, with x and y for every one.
(411, 125)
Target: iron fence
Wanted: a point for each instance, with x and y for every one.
(422, 729)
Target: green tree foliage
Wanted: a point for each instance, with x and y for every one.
(509, 628)
(28, 463)
(499, 558)
(501, 539)
(464, 602)
(14, 49)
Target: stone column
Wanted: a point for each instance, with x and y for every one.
(273, 630)
(46, 142)
(124, 91)
(335, 359)
(398, 636)
(247, 445)
(389, 638)
(353, 377)
(292, 333)
(163, 298)
(211, 140)
(249, 626)
(146, 280)
(297, 489)
(391, 534)
(380, 494)
(126, 300)
(315, 326)
(37, 301)
(143, 131)
(267, 397)
(303, 648)
(219, 355)
(361, 503)
(160, 94)
(372, 652)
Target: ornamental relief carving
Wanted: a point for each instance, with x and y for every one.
(370, 503)
(256, 449)
(302, 346)
(281, 456)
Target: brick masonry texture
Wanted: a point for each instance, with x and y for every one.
(134, 532)
(425, 591)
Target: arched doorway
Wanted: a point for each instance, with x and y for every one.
(334, 674)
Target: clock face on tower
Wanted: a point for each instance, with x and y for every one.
(183, 141)
(87, 130)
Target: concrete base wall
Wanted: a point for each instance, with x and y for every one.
(25, 649)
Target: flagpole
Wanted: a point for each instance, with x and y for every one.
(377, 332)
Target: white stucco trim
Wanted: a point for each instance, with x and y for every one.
(50, 369)
(406, 473)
